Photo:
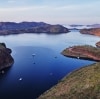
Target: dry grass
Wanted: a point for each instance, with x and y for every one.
(84, 51)
(80, 84)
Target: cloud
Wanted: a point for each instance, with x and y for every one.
(18, 11)
(11, 1)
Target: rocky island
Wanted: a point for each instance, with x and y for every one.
(83, 83)
(7, 28)
(91, 31)
(83, 52)
(98, 44)
(6, 59)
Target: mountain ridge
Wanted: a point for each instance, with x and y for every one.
(7, 28)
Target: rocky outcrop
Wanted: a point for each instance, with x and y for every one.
(98, 44)
(80, 84)
(92, 31)
(6, 59)
(83, 52)
(7, 28)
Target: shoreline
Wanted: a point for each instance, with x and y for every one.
(76, 80)
(86, 52)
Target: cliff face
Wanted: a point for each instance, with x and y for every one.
(80, 84)
(7, 28)
(6, 59)
(92, 31)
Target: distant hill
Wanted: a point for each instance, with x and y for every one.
(80, 84)
(7, 28)
(91, 31)
(76, 25)
(94, 25)
(22, 25)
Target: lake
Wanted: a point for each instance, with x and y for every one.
(39, 64)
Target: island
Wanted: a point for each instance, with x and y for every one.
(83, 52)
(83, 83)
(98, 44)
(76, 25)
(91, 31)
(94, 25)
(7, 28)
(6, 59)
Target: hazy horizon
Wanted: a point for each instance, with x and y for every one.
(50, 11)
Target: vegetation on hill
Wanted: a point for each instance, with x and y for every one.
(80, 84)
(91, 31)
(84, 52)
(7, 28)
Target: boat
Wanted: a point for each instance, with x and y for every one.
(33, 54)
(20, 79)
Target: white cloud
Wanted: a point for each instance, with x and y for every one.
(10, 9)
(50, 13)
(11, 1)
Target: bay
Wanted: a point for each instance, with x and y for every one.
(39, 64)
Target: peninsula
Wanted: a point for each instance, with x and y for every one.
(83, 52)
(83, 83)
(7, 28)
(6, 59)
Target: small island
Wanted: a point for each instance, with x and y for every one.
(98, 44)
(91, 31)
(6, 59)
(83, 52)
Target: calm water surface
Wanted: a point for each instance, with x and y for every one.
(31, 75)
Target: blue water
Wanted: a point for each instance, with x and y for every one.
(45, 69)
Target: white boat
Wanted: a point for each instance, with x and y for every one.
(33, 54)
(20, 79)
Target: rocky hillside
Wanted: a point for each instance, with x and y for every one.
(83, 52)
(92, 31)
(6, 59)
(80, 84)
(22, 25)
(7, 28)
(98, 44)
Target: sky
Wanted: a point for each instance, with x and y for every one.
(51, 11)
